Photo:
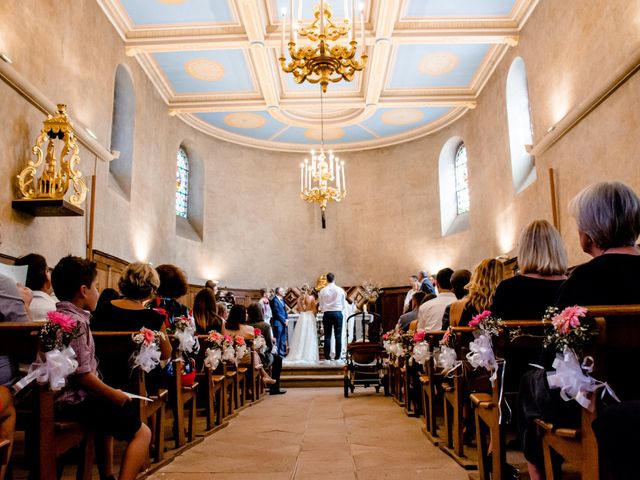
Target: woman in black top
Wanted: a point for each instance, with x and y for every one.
(542, 261)
(608, 218)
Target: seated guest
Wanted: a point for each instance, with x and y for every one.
(173, 285)
(482, 287)
(14, 302)
(459, 281)
(406, 318)
(415, 287)
(137, 284)
(542, 261)
(205, 314)
(256, 320)
(431, 312)
(425, 284)
(87, 398)
(608, 219)
(7, 422)
(237, 325)
(265, 304)
(39, 281)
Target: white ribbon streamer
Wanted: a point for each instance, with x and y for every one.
(396, 349)
(481, 355)
(229, 354)
(147, 358)
(57, 366)
(212, 358)
(573, 382)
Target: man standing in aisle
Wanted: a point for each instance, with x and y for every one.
(279, 324)
(332, 303)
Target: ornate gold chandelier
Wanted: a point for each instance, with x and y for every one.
(322, 62)
(322, 179)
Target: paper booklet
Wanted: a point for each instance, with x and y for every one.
(17, 273)
(138, 397)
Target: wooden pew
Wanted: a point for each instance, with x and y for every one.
(118, 347)
(46, 438)
(211, 387)
(516, 355)
(430, 382)
(617, 345)
(182, 398)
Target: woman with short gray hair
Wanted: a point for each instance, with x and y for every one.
(608, 218)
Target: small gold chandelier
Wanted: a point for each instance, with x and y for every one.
(322, 179)
(323, 63)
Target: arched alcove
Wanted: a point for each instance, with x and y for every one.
(122, 130)
(523, 167)
(454, 187)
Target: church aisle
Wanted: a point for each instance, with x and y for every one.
(312, 434)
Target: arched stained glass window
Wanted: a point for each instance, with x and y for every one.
(462, 180)
(182, 183)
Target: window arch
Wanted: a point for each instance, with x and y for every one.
(122, 130)
(189, 192)
(454, 187)
(523, 167)
(182, 183)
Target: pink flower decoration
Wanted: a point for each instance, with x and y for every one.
(239, 340)
(419, 336)
(445, 337)
(149, 336)
(228, 339)
(215, 336)
(257, 332)
(475, 321)
(569, 318)
(385, 336)
(65, 322)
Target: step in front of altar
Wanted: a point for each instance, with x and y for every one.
(312, 376)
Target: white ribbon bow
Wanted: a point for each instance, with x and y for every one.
(573, 382)
(212, 358)
(259, 344)
(421, 353)
(481, 355)
(241, 351)
(57, 366)
(229, 354)
(187, 339)
(447, 359)
(147, 358)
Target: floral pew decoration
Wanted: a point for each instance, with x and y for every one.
(481, 353)
(240, 346)
(147, 357)
(446, 357)
(59, 358)
(259, 342)
(184, 330)
(569, 336)
(213, 354)
(397, 343)
(420, 351)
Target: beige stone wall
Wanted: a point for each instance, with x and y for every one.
(257, 231)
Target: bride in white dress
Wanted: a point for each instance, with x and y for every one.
(303, 348)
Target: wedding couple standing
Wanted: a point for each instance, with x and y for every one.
(304, 344)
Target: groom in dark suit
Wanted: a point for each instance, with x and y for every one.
(279, 324)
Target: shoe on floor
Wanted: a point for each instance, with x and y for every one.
(277, 392)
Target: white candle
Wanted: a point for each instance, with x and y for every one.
(302, 177)
(306, 171)
(283, 28)
(331, 160)
(352, 25)
(362, 26)
(338, 177)
(290, 20)
(321, 17)
(299, 11)
(344, 186)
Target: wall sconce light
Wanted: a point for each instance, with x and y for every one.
(6, 58)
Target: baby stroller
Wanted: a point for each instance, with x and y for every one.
(365, 353)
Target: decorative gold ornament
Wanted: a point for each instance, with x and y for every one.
(322, 62)
(321, 282)
(54, 181)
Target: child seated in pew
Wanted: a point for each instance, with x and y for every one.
(86, 398)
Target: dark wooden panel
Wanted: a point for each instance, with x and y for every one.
(391, 303)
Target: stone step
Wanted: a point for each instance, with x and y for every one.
(307, 381)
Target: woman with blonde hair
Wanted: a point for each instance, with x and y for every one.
(482, 288)
(542, 261)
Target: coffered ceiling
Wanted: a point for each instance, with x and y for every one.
(214, 62)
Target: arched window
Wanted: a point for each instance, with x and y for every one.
(122, 129)
(462, 180)
(523, 168)
(189, 192)
(454, 187)
(182, 184)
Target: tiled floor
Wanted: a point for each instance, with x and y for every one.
(313, 434)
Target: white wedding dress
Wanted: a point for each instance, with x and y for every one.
(303, 347)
